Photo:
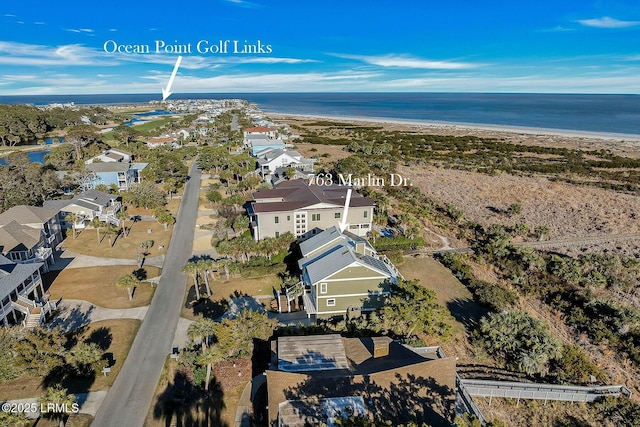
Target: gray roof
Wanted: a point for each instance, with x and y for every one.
(108, 167)
(90, 199)
(24, 214)
(297, 194)
(319, 240)
(329, 263)
(14, 236)
(12, 274)
(311, 353)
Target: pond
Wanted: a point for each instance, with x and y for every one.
(34, 156)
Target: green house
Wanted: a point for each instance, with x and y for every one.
(343, 274)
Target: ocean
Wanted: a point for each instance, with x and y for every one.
(588, 113)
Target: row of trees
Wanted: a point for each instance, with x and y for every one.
(229, 339)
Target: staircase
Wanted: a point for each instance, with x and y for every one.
(34, 314)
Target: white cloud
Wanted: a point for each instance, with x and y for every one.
(13, 53)
(87, 31)
(407, 61)
(243, 3)
(608, 22)
(266, 60)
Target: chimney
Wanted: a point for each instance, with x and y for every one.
(380, 346)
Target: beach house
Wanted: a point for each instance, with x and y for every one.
(123, 175)
(271, 159)
(299, 208)
(22, 296)
(29, 234)
(87, 206)
(343, 275)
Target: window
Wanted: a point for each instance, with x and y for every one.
(331, 302)
(336, 215)
(323, 288)
(277, 234)
(288, 217)
(366, 214)
(364, 225)
(315, 217)
(276, 219)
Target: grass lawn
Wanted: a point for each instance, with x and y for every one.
(222, 289)
(152, 124)
(123, 247)
(113, 336)
(98, 286)
(449, 291)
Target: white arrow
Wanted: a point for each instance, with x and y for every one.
(167, 92)
(347, 201)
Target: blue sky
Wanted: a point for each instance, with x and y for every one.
(561, 46)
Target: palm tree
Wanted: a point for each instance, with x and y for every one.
(209, 358)
(202, 328)
(96, 223)
(61, 398)
(122, 216)
(73, 217)
(127, 282)
(224, 262)
(206, 265)
(192, 268)
(110, 231)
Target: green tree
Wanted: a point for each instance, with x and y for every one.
(73, 218)
(128, 282)
(61, 398)
(235, 336)
(144, 194)
(97, 224)
(80, 137)
(192, 267)
(40, 351)
(202, 328)
(164, 217)
(110, 231)
(209, 357)
(413, 310)
(122, 216)
(514, 209)
(214, 196)
(206, 266)
(521, 340)
(85, 358)
(541, 231)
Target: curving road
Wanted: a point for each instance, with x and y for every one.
(128, 401)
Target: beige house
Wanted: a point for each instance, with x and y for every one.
(87, 206)
(301, 209)
(343, 275)
(29, 234)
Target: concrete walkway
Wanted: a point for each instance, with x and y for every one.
(77, 313)
(70, 259)
(245, 404)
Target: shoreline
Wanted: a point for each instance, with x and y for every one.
(459, 126)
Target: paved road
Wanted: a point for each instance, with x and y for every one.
(128, 401)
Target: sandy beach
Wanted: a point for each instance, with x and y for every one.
(625, 144)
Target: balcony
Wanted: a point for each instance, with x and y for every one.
(309, 305)
(42, 254)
